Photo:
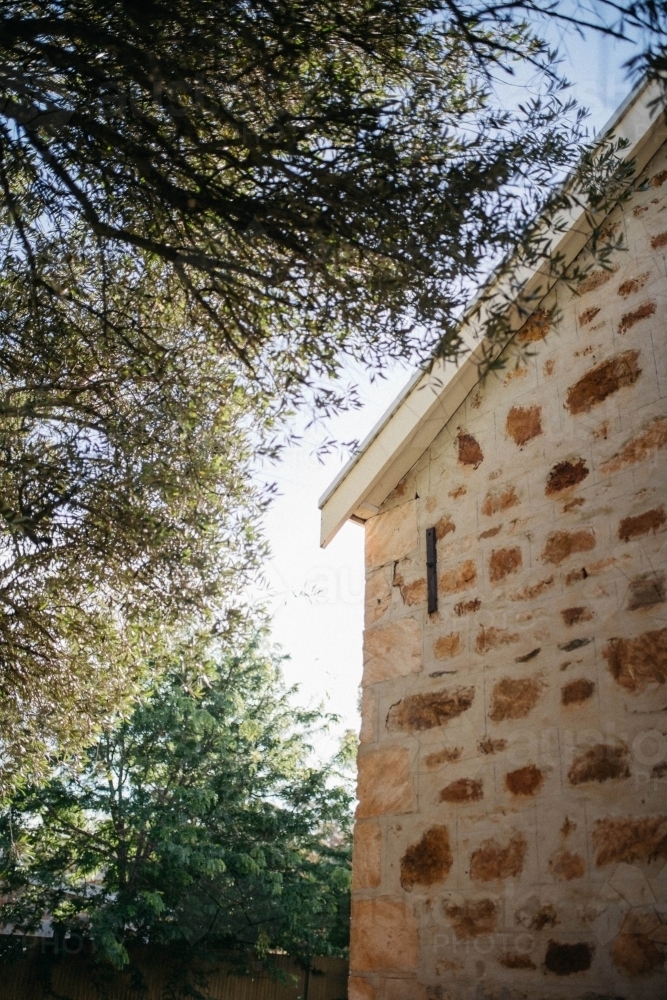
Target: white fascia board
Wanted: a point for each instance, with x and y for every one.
(430, 398)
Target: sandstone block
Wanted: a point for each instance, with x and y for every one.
(496, 501)
(384, 936)
(469, 451)
(384, 783)
(494, 861)
(536, 327)
(462, 577)
(524, 423)
(368, 731)
(618, 372)
(367, 855)
(446, 647)
(392, 650)
(359, 988)
(428, 709)
(391, 535)
(378, 595)
(428, 861)
(396, 988)
(639, 448)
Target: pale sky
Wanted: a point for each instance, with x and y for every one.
(316, 595)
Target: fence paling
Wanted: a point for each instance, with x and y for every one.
(73, 978)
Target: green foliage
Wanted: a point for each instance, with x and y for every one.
(322, 177)
(126, 501)
(199, 823)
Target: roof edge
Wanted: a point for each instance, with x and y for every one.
(453, 376)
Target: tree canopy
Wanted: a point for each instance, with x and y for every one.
(127, 501)
(322, 177)
(200, 822)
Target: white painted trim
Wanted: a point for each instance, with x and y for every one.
(429, 399)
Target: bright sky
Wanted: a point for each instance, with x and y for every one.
(317, 595)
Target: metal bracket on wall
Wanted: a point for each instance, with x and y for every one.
(431, 570)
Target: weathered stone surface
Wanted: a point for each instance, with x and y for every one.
(502, 562)
(646, 590)
(462, 790)
(392, 650)
(513, 698)
(527, 657)
(404, 988)
(629, 319)
(384, 782)
(462, 577)
(493, 861)
(359, 988)
(596, 279)
(628, 839)
(384, 935)
(378, 595)
(447, 646)
(632, 285)
(517, 960)
(467, 607)
(575, 616)
(565, 866)
(536, 327)
(443, 527)
(532, 590)
(636, 955)
(412, 591)
(524, 423)
(577, 691)
(562, 544)
(550, 784)
(588, 315)
(469, 451)
(637, 663)
(429, 709)
(493, 638)
(391, 535)
(448, 755)
(641, 524)
(490, 746)
(565, 475)
(473, 919)
(499, 500)
(525, 781)
(367, 732)
(367, 855)
(639, 448)
(535, 916)
(601, 762)
(619, 372)
(428, 862)
(565, 959)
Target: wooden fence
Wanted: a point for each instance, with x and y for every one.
(42, 976)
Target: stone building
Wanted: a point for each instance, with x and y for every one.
(511, 833)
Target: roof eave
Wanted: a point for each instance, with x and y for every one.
(430, 398)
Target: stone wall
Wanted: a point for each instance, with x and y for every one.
(511, 836)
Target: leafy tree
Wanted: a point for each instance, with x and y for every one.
(126, 497)
(322, 177)
(200, 823)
